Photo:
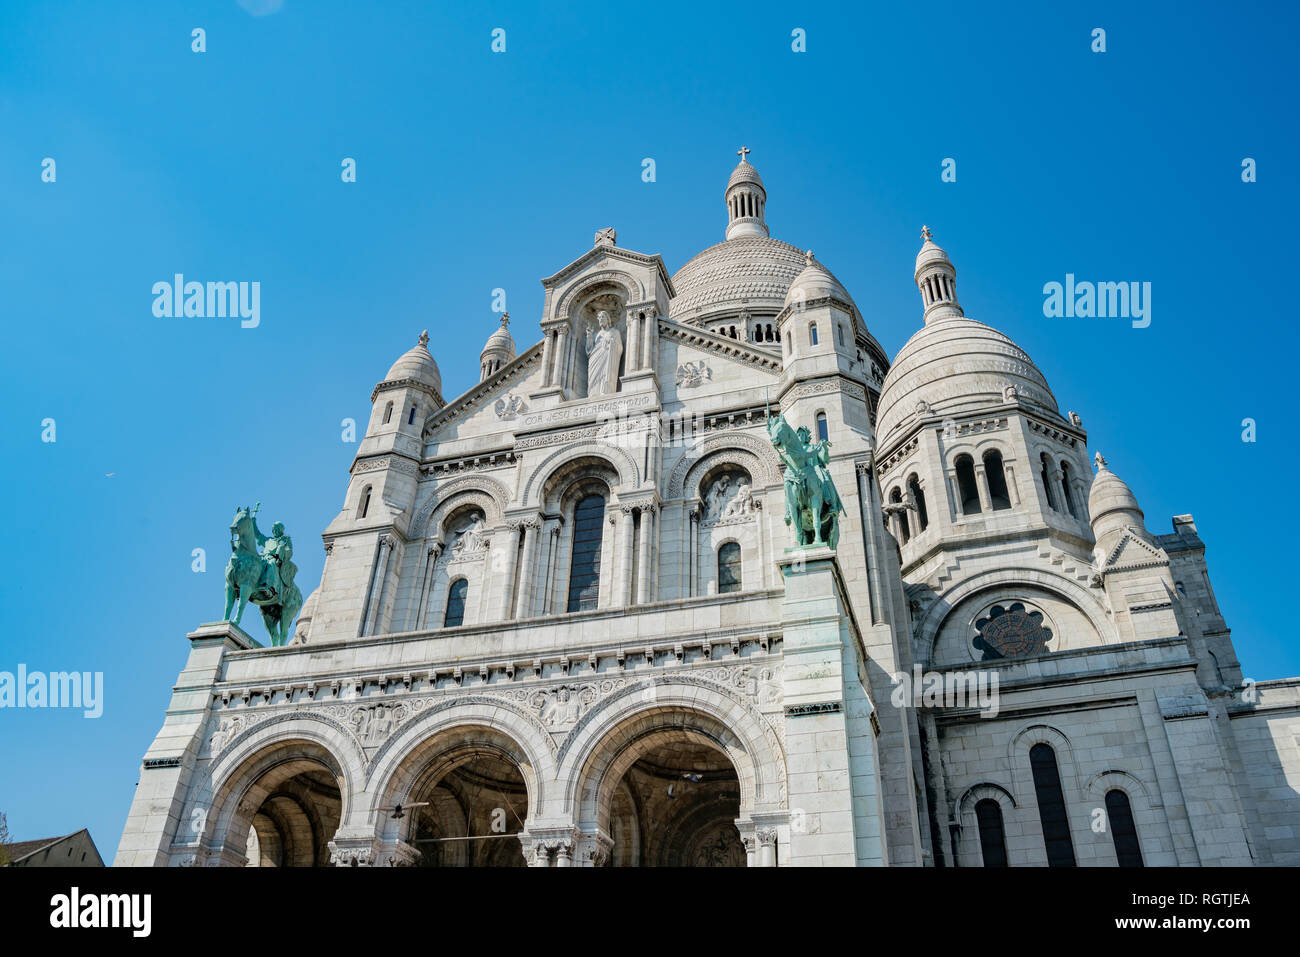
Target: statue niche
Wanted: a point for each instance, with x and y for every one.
(602, 344)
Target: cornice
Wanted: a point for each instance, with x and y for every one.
(722, 345)
(476, 394)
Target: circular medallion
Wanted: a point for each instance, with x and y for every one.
(1011, 631)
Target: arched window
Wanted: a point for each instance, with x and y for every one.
(410, 419)
(823, 432)
(388, 413)
(993, 842)
(365, 502)
(812, 333)
(728, 568)
(839, 333)
(1047, 481)
(998, 496)
(1122, 829)
(922, 516)
(1051, 806)
(970, 496)
(584, 568)
(904, 530)
(1065, 489)
(456, 603)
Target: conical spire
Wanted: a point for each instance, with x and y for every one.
(1112, 506)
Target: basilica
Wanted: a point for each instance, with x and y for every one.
(566, 620)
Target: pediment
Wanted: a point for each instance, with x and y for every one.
(1133, 551)
(499, 402)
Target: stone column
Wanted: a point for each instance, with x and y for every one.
(954, 497)
(649, 339)
(766, 846)
(375, 610)
(529, 529)
(693, 555)
(645, 556)
(982, 488)
(625, 557)
(550, 542)
(633, 342)
(561, 375)
(548, 359)
(511, 546)
(607, 594)
(1058, 487)
(432, 555)
(1009, 471)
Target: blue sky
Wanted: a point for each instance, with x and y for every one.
(479, 170)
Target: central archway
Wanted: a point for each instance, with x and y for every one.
(675, 805)
(465, 792)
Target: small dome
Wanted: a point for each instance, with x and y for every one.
(815, 282)
(500, 343)
(744, 173)
(929, 255)
(417, 364)
(1109, 493)
(956, 365)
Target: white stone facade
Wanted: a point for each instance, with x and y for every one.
(560, 625)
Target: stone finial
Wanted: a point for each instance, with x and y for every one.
(606, 237)
(743, 153)
(926, 235)
(424, 338)
(1099, 461)
(505, 320)
(808, 257)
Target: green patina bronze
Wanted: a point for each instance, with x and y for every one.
(265, 578)
(812, 505)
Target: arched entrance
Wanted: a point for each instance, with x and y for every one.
(280, 806)
(292, 827)
(676, 806)
(466, 798)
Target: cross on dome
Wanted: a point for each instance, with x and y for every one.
(424, 338)
(925, 233)
(743, 153)
(505, 319)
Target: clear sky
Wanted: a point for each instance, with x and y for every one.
(479, 170)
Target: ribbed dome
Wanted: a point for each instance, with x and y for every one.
(930, 254)
(417, 364)
(815, 282)
(1109, 493)
(750, 271)
(500, 343)
(955, 365)
(744, 173)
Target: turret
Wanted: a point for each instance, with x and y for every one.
(498, 352)
(745, 198)
(936, 278)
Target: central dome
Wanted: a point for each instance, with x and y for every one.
(746, 272)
